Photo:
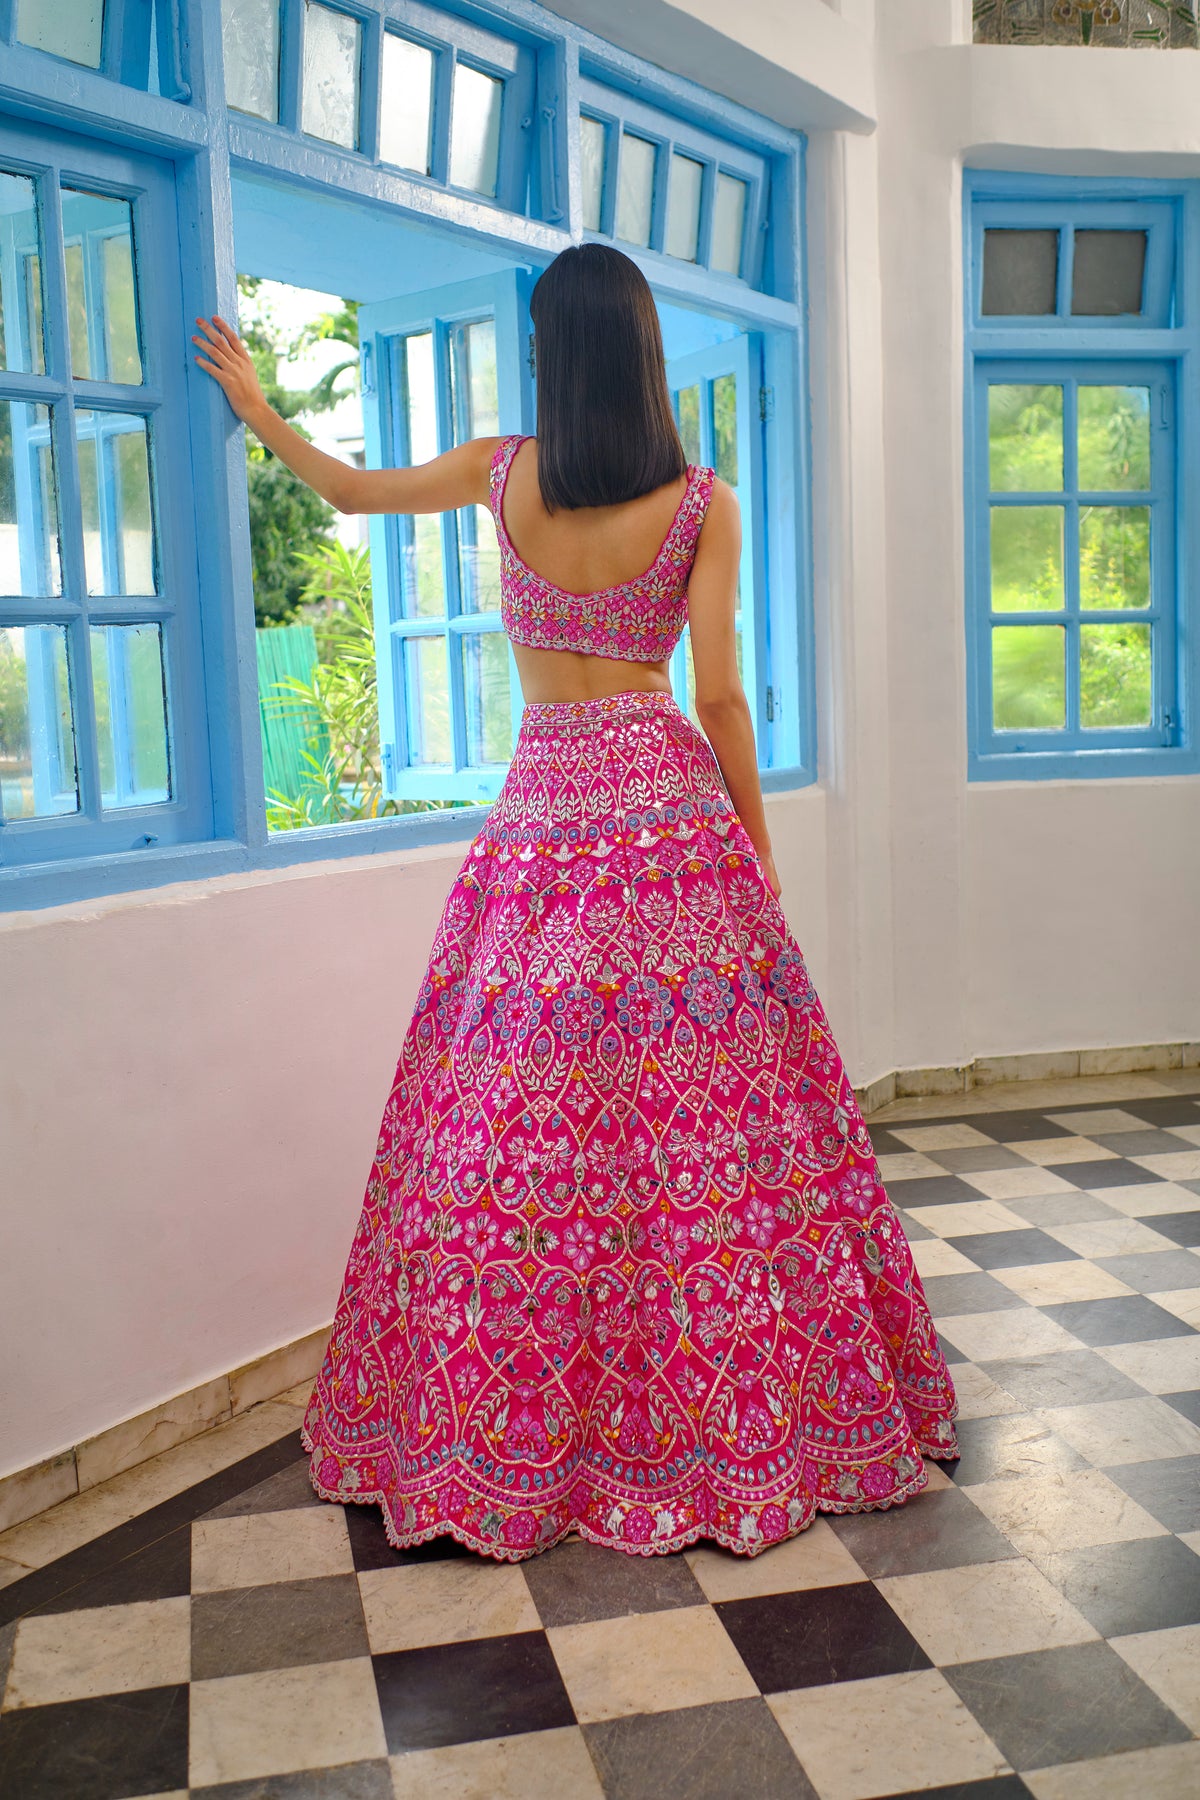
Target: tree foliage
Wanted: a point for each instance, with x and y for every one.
(286, 516)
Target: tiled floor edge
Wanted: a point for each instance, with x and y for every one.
(26, 1492)
(1033, 1065)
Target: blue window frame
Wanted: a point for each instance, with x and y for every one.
(402, 84)
(103, 743)
(1080, 577)
(135, 42)
(444, 366)
(131, 781)
(654, 181)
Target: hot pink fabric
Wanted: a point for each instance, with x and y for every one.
(640, 621)
(625, 1264)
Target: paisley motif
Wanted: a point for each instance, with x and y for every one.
(626, 1264)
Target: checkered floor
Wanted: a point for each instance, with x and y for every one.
(1028, 1625)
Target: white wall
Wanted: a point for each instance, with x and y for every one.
(191, 1080)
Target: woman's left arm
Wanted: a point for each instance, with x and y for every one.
(457, 478)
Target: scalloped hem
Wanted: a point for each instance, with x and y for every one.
(512, 1553)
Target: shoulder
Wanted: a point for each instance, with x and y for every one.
(722, 515)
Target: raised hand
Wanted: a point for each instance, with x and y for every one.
(227, 359)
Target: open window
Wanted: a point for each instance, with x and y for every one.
(439, 368)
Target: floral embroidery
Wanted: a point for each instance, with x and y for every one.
(625, 1265)
(640, 621)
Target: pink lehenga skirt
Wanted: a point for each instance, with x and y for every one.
(625, 1264)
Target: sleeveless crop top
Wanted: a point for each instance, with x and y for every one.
(637, 621)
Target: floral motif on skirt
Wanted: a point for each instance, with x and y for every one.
(625, 1265)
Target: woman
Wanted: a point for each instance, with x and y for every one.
(625, 1264)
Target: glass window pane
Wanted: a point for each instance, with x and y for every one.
(728, 224)
(38, 776)
(475, 129)
(688, 403)
(77, 313)
(1107, 271)
(131, 714)
(250, 30)
(20, 277)
(70, 28)
(1114, 556)
(29, 554)
(724, 395)
(1114, 437)
(635, 189)
(427, 693)
(1027, 557)
(1025, 437)
(1029, 690)
(1020, 272)
(329, 91)
(476, 413)
(473, 380)
(114, 481)
(102, 307)
(423, 583)
(421, 396)
(683, 207)
(1114, 675)
(593, 136)
(488, 696)
(407, 82)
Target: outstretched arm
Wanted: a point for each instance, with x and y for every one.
(721, 704)
(458, 478)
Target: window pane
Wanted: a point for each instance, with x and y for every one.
(1020, 271)
(728, 225)
(20, 277)
(427, 693)
(476, 412)
(70, 28)
(724, 393)
(1029, 690)
(131, 714)
(475, 129)
(329, 93)
(423, 583)
(422, 397)
(688, 402)
(488, 696)
(1027, 557)
(77, 313)
(1114, 675)
(101, 299)
(473, 380)
(683, 207)
(114, 481)
(1025, 436)
(592, 142)
(1114, 556)
(1107, 271)
(250, 30)
(1114, 437)
(407, 82)
(635, 189)
(29, 558)
(37, 739)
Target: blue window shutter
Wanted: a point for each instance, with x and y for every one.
(383, 327)
(702, 370)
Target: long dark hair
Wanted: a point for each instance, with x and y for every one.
(605, 428)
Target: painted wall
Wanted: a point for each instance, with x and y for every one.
(191, 1080)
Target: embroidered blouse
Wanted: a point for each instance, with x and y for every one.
(637, 621)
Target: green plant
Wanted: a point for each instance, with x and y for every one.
(346, 782)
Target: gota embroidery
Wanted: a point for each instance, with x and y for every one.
(639, 620)
(626, 1264)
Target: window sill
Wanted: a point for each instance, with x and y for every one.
(1082, 765)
